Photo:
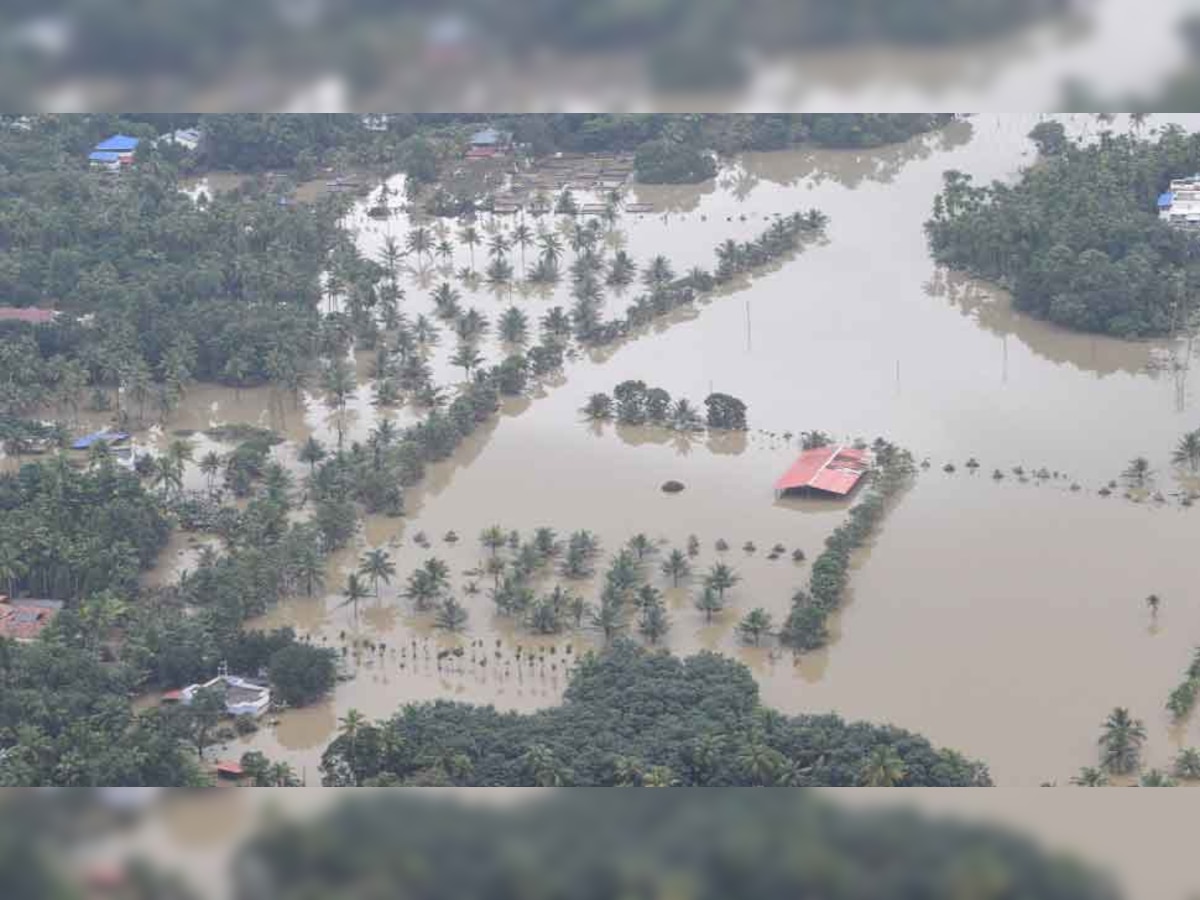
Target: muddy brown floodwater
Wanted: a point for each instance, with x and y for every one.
(1001, 618)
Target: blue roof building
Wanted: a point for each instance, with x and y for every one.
(109, 437)
(104, 156)
(118, 143)
(1165, 200)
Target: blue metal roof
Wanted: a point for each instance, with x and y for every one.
(1165, 200)
(487, 136)
(109, 437)
(119, 143)
(104, 156)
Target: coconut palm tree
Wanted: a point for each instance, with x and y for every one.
(522, 237)
(676, 566)
(390, 257)
(210, 465)
(353, 592)
(659, 273)
(1138, 472)
(1121, 742)
(684, 416)
(754, 625)
(1089, 776)
(377, 565)
(1187, 764)
(421, 590)
(1156, 778)
(543, 768)
(514, 326)
(445, 251)
(709, 602)
(498, 247)
(312, 452)
(609, 618)
(451, 615)
(1187, 452)
(493, 538)
(721, 578)
(551, 247)
(653, 623)
(882, 768)
(419, 241)
(446, 301)
(760, 764)
(469, 235)
(466, 357)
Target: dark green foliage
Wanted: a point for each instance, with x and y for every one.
(1077, 239)
(725, 411)
(670, 162)
(604, 844)
(67, 534)
(699, 717)
(301, 673)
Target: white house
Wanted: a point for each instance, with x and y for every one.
(242, 697)
(187, 138)
(1180, 205)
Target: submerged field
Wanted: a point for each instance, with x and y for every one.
(1003, 618)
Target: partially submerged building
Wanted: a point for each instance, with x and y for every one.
(831, 470)
(1180, 203)
(488, 143)
(242, 696)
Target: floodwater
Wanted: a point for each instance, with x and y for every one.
(1002, 618)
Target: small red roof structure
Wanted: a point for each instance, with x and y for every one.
(30, 314)
(172, 696)
(228, 769)
(834, 469)
(24, 620)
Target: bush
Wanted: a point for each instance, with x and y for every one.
(668, 162)
(301, 673)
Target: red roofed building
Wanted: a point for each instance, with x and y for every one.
(834, 469)
(24, 620)
(30, 314)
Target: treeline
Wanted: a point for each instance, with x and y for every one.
(633, 403)
(719, 844)
(1077, 240)
(805, 627)
(636, 717)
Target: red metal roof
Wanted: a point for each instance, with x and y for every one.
(172, 696)
(227, 767)
(24, 620)
(835, 469)
(29, 314)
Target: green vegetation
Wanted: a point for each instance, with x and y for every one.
(668, 162)
(1121, 742)
(719, 843)
(1182, 700)
(633, 403)
(1077, 240)
(805, 627)
(630, 711)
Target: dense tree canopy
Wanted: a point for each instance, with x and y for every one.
(599, 845)
(628, 712)
(1077, 239)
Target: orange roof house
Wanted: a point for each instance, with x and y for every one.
(834, 469)
(24, 620)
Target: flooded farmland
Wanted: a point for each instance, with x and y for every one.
(1001, 617)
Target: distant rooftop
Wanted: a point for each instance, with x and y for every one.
(30, 314)
(24, 620)
(118, 143)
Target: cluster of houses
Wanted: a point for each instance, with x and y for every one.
(1180, 203)
(116, 152)
(113, 153)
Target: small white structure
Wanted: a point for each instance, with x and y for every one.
(187, 138)
(1180, 205)
(242, 697)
